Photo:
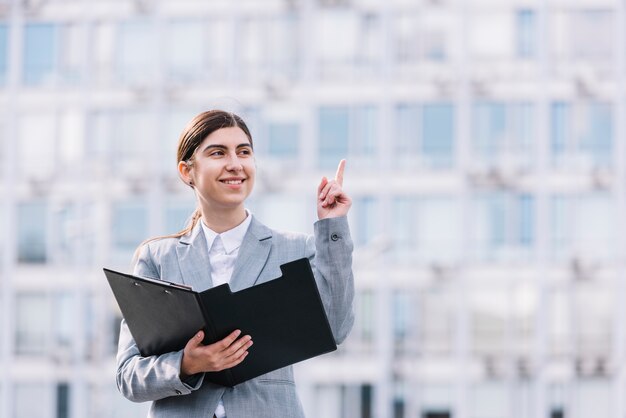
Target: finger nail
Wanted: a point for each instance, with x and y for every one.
(238, 333)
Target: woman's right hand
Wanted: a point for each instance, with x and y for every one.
(221, 355)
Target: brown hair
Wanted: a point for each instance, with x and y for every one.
(193, 134)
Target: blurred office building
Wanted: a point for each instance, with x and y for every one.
(486, 160)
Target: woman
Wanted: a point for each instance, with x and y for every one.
(224, 243)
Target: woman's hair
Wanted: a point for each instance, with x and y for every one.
(190, 139)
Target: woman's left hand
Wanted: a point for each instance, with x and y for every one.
(332, 201)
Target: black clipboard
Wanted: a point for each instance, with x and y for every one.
(284, 316)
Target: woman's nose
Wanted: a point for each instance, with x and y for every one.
(234, 164)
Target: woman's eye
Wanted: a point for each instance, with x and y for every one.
(217, 153)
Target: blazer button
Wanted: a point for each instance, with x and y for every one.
(178, 392)
(334, 237)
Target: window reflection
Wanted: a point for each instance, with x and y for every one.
(583, 227)
(269, 47)
(136, 52)
(504, 224)
(436, 321)
(349, 44)
(36, 148)
(581, 134)
(32, 233)
(129, 228)
(365, 214)
(421, 39)
(40, 51)
(284, 140)
(426, 229)
(502, 134)
(345, 130)
(185, 44)
(424, 135)
(45, 324)
(52, 53)
(526, 27)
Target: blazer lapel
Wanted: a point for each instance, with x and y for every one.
(253, 254)
(193, 260)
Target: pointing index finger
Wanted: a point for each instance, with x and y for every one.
(339, 175)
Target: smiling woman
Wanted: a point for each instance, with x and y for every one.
(216, 159)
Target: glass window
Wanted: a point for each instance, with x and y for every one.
(490, 320)
(32, 232)
(45, 324)
(71, 138)
(30, 398)
(403, 315)
(421, 38)
(404, 227)
(62, 400)
(582, 134)
(285, 211)
(438, 224)
(365, 317)
(436, 400)
(424, 135)
(408, 120)
(490, 400)
(426, 229)
(284, 140)
(40, 52)
(348, 44)
(185, 44)
(171, 124)
(559, 323)
(136, 46)
(502, 134)
(177, 215)
(583, 226)
(591, 34)
(347, 132)
(36, 148)
(269, 46)
(365, 210)
(130, 133)
(66, 234)
(129, 228)
(71, 54)
(504, 227)
(526, 26)
(436, 317)
(4, 53)
(103, 51)
(33, 323)
(334, 135)
(438, 134)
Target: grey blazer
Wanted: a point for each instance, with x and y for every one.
(185, 260)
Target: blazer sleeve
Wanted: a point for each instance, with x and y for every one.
(151, 378)
(330, 254)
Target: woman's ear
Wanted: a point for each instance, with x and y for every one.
(184, 172)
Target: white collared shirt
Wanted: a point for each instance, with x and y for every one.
(223, 251)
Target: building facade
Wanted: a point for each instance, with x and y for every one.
(486, 159)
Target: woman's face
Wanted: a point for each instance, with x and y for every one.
(223, 169)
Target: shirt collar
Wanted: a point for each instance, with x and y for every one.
(232, 238)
